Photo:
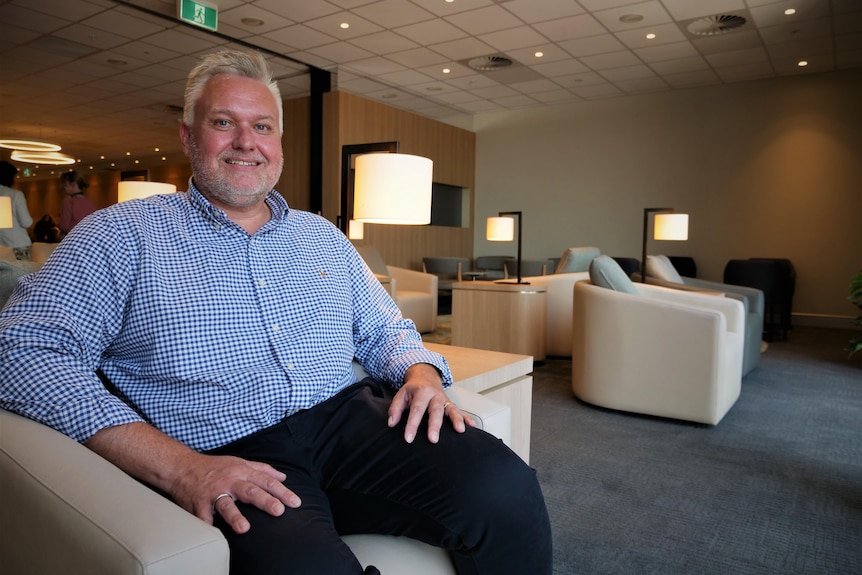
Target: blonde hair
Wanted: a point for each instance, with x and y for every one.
(233, 62)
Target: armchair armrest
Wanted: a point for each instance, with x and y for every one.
(67, 510)
(412, 280)
(752, 298)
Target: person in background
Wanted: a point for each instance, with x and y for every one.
(204, 342)
(15, 237)
(76, 206)
(46, 230)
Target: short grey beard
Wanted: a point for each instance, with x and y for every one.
(217, 188)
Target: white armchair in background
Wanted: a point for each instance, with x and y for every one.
(415, 291)
(657, 351)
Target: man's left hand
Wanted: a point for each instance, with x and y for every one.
(423, 392)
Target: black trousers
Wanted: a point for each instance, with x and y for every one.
(468, 493)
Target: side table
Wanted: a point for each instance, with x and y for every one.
(504, 377)
(500, 316)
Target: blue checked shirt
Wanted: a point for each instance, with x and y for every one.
(213, 333)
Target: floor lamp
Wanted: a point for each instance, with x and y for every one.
(668, 226)
(392, 189)
(502, 229)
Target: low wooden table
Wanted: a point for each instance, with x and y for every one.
(500, 316)
(504, 377)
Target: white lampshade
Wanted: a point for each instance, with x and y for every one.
(392, 189)
(500, 229)
(671, 227)
(355, 230)
(5, 212)
(135, 190)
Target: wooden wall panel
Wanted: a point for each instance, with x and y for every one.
(351, 119)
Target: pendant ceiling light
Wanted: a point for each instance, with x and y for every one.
(54, 158)
(28, 145)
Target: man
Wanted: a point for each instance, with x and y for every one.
(225, 323)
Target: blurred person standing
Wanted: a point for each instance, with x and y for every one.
(15, 237)
(76, 206)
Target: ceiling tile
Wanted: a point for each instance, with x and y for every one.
(570, 28)
(393, 13)
(611, 60)
(484, 20)
(531, 11)
(652, 12)
(513, 38)
(667, 52)
(593, 45)
(384, 42)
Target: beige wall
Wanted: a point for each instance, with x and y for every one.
(770, 168)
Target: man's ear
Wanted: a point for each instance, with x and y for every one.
(185, 134)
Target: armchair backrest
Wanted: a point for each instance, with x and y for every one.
(373, 259)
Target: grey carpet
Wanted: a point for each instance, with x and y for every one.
(775, 488)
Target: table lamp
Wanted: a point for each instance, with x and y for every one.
(6, 212)
(667, 226)
(502, 229)
(355, 230)
(135, 190)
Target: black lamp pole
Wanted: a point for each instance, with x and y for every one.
(647, 212)
(519, 242)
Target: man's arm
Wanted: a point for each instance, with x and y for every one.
(192, 479)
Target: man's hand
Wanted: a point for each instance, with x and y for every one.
(212, 484)
(195, 481)
(423, 392)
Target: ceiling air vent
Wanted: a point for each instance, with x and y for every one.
(714, 25)
(489, 63)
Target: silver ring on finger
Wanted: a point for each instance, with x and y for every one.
(447, 404)
(219, 496)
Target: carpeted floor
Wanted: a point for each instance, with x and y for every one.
(775, 488)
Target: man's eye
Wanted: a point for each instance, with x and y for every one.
(221, 123)
(263, 128)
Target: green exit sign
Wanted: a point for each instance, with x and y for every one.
(199, 14)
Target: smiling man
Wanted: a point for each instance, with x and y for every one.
(203, 342)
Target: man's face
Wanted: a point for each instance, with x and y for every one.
(234, 144)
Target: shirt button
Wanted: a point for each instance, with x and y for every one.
(275, 327)
(290, 366)
(261, 282)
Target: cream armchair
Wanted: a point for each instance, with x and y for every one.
(67, 510)
(415, 292)
(657, 351)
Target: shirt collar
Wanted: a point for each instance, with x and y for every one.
(275, 201)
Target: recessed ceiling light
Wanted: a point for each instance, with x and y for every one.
(631, 18)
(790, 12)
(802, 63)
(248, 21)
(447, 71)
(539, 54)
(344, 25)
(650, 36)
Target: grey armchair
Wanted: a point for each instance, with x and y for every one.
(447, 269)
(660, 271)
